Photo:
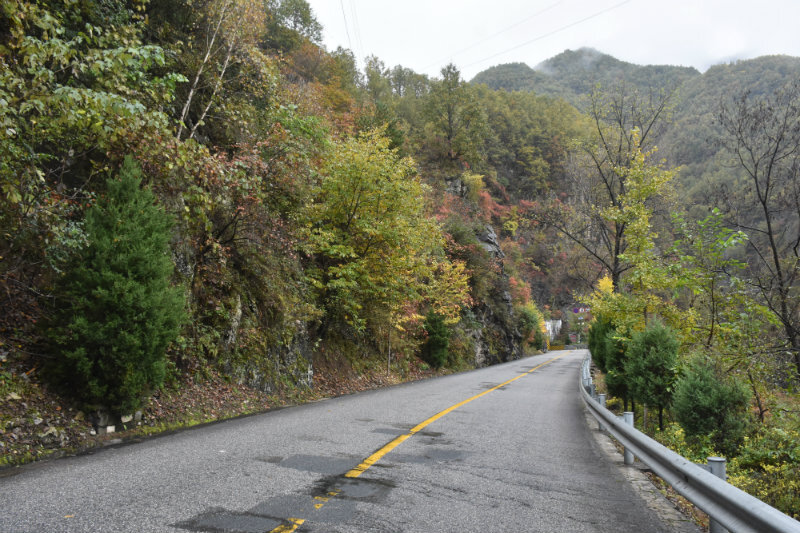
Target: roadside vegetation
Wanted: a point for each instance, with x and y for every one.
(205, 213)
(694, 333)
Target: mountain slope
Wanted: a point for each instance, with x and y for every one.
(689, 140)
(573, 73)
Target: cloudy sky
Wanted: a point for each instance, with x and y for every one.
(425, 35)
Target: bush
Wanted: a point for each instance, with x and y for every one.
(650, 367)
(434, 351)
(115, 310)
(614, 350)
(705, 404)
(530, 323)
(597, 333)
(769, 468)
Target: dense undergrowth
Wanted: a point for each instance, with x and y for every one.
(320, 225)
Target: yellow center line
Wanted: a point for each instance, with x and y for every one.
(375, 457)
(294, 523)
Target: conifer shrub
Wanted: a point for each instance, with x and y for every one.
(707, 404)
(597, 333)
(435, 349)
(615, 354)
(115, 311)
(652, 356)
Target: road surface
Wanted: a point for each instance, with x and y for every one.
(505, 448)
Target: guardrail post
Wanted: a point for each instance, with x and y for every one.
(718, 467)
(627, 418)
(601, 399)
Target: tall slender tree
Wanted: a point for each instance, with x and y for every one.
(763, 138)
(597, 181)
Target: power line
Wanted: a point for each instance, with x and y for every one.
(356, 27)
(521, 22)
(540, 37)
(346, 29)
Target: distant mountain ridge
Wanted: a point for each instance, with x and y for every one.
(573, 73)
(688, 141)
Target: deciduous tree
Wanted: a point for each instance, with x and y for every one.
(597, 180)
(375, 246)
(455, 122)
(763, 138)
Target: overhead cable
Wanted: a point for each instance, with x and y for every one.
(346, 29)
(492, 36)
(540, 37)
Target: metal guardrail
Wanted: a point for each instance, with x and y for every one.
(731, 507)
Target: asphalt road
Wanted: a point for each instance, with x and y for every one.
(453, 454)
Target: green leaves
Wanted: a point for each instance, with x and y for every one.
(116, 311)
(69, 89)
(651, 367)
(375, 246)
(706, 403)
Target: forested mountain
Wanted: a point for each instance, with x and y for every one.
(689, 135)
(690, 139)
(574, 73)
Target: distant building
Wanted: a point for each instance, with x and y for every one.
(553, 328)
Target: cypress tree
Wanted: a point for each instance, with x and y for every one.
(615, 355)
(597, 341)
(434, 351)
(650, 367)
(705, 403)
(116, 312)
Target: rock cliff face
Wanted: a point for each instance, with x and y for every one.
(494, 334)
(456, 186)
(283, 362)
(498, 339)
(488, 239)
(290, 362)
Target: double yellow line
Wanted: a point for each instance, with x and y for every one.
(293, 523)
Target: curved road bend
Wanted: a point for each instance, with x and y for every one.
(453, 454)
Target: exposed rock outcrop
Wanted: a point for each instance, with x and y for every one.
(498, 339)
(488, 239)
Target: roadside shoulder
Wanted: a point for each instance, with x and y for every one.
(653, 498)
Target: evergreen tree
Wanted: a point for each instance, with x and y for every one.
(650, 367)
(706, 405)
(597, 343)
(434, 351)
(615, 353)
(115, 311)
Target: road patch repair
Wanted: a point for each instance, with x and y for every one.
(338, 494)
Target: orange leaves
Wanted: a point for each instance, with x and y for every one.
(520, 291)
(490, 207)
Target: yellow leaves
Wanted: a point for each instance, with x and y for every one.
(605, 285)
(371, 205)
(474, 184)
(448, 290)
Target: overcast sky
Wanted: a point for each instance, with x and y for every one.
(425, 35)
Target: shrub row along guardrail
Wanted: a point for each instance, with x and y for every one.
(732, 508)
